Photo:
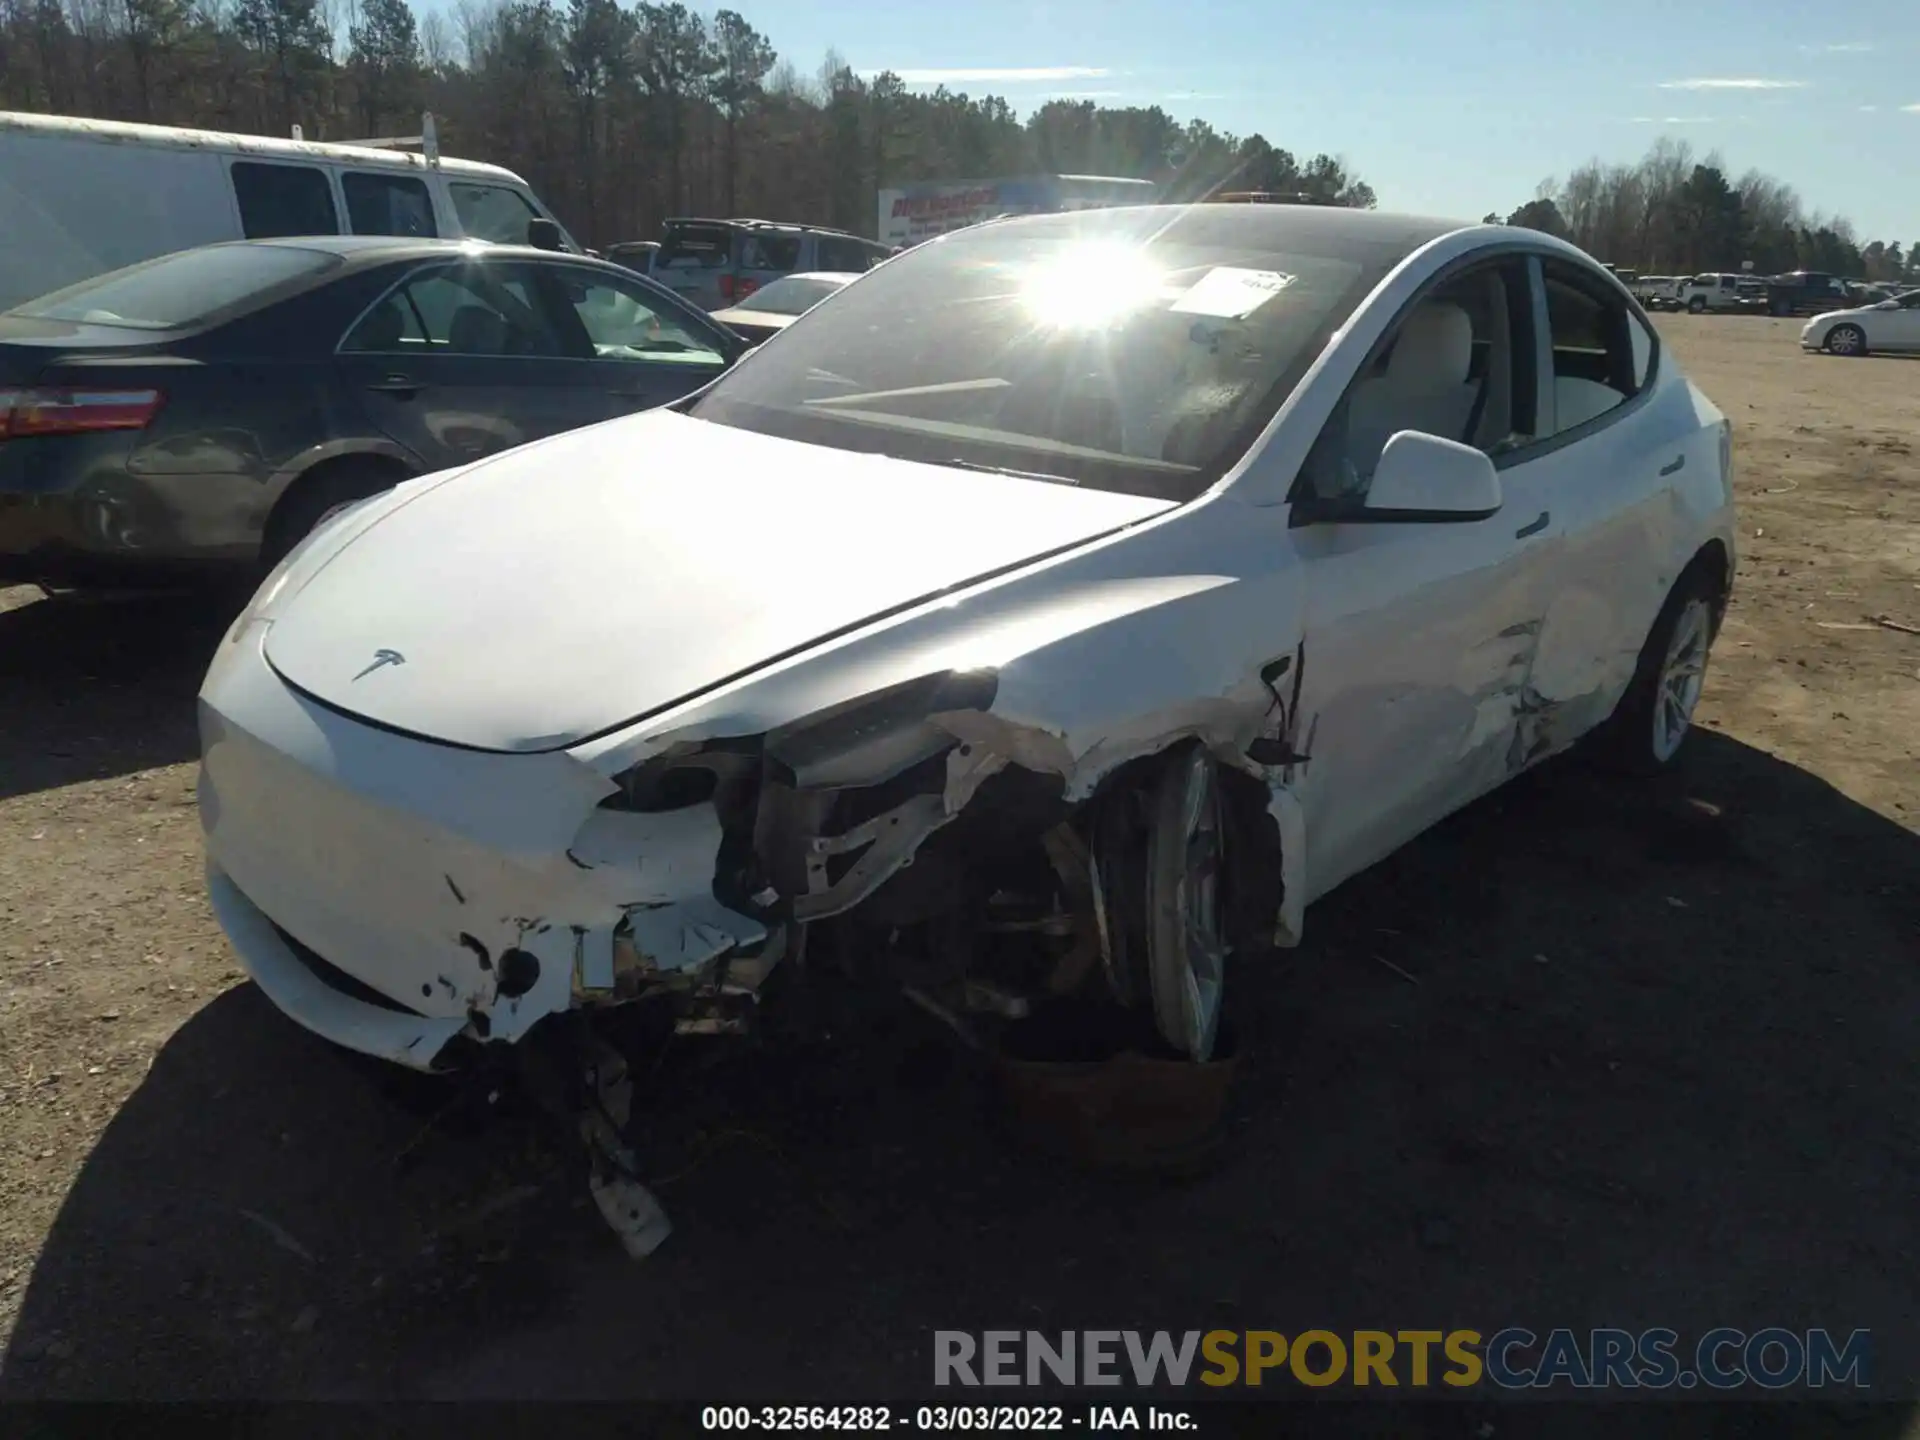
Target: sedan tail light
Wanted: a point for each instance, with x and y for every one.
(75, 412)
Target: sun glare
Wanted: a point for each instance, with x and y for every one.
(1090, 285)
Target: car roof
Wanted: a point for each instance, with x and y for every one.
(377, 249)
(842, 276)
(1271, 227)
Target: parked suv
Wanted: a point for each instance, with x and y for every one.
(717, 263)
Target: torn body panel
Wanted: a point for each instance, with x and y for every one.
(475, 893)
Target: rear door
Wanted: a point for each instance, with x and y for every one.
(647, 349)
(1603, 463)
(696, 262)
(460, 360)
(766, 256)
(1896, 329)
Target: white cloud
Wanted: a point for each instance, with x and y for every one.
(1733, 84)
(1911, 109)
(1673, 119)
(1868, 109)
(1849, 47)
(1002, 74)
(1084, 94)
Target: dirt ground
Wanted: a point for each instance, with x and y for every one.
(1655, 1064)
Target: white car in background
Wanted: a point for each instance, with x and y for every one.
(1150, 569)
(1892, 326)
(772, 308)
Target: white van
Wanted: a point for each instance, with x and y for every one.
(81, 197)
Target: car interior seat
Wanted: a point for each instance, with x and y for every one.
(1424, 385)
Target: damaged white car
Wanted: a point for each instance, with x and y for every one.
(1117, 581)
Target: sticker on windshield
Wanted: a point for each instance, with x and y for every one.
(1230, 293)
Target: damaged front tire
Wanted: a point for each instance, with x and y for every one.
(1186, 921)
(1160, 862)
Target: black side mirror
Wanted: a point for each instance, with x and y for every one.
(544, 234)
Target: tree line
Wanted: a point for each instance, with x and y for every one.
(1672, 213)
(619, 116)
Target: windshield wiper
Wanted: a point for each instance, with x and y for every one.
(958, 464)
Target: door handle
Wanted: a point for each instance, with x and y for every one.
(394, 385)
(1673, 466)
(1534, 529)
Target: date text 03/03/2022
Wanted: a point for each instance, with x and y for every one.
(935, 1419)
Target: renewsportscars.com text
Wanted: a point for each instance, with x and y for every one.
(1511, 1358)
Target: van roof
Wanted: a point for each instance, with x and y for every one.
(169, 137)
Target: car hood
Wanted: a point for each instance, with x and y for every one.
(573, 585)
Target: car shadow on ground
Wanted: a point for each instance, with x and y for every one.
(1591, 1053)
(98, 687)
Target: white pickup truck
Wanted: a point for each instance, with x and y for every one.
(1720, 291)
(1658, 292)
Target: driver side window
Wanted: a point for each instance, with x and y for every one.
(1457, 364)
(626, 323)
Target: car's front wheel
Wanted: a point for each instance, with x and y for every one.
(1846, 340)
(1186, 919)
(1697, 305)
(317, 495)
(1160, 867)
(1655, 715)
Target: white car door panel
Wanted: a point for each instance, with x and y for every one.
(1418, 640)
(1895, 329)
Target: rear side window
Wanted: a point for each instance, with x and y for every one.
(181, 289)
(492, 212)
(770, 252)
(1597, 364)
(695, 247)
(387, 204)
(844, 255)
(278, 200)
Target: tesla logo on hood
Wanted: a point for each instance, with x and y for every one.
(380, 658)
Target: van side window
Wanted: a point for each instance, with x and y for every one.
(848, 256)
(770, 252)
(283, 200)
(491, 212)
(387, 204)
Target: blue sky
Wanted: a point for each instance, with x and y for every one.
(1447, 108)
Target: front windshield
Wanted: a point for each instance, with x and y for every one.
(1138, 351)
(794, 295)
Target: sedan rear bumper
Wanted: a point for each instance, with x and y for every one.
(73, 511)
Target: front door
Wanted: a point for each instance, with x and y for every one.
(463, 360)
(1896, 329)
(1419, 637)
(647, 349)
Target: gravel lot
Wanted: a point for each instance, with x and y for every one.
(1657, 1066)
